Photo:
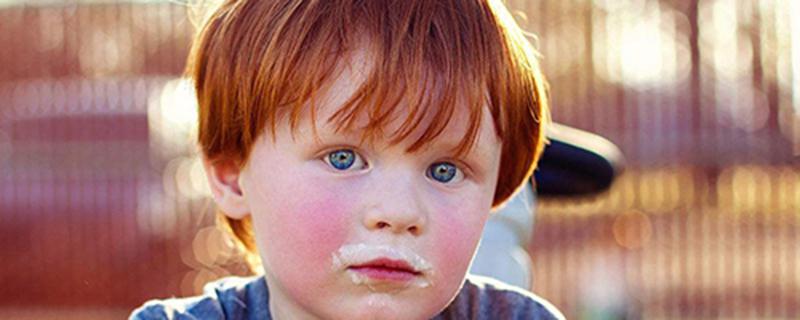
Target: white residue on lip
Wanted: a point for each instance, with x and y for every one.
(360, 253)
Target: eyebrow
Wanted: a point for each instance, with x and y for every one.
(356, 137)
(476, 151)
(328, 129)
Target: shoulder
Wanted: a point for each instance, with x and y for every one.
(228, 298)
(486, 298)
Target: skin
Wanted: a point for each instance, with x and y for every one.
(304, 209)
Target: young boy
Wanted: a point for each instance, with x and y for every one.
(356, 148)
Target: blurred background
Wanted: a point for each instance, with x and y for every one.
(103, 202)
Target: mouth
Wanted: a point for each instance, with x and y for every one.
(385, 269)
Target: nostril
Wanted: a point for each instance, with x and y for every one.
(382, 225)
(413, 229)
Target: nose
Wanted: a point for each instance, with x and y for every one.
(398, 207)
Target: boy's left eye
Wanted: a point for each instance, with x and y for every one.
(445, 172)
(344, 159)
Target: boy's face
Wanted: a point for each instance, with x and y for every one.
(349, 230)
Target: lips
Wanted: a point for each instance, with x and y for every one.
(387, 270)
(382, 267)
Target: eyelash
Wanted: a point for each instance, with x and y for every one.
(458, 173)
(358, 163)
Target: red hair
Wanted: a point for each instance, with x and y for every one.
(257, 64)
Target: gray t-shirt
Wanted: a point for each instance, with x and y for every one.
(236, 298)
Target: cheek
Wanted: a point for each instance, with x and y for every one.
(459, 230)
(304, 227)
(298, 232)
(457, 240)
(319, 222)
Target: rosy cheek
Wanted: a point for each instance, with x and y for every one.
(457, 238)
(453, 243)
(306, 224)
(323, 221)
(307, 228)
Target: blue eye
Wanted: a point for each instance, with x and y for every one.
(342, 159)
(345, 159)
(443, 172)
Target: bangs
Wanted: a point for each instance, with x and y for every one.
(424, 63)
(422, 99)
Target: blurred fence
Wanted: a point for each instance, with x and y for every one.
(704, 99)
(93, 206)
(102, 199)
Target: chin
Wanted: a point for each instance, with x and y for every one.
(385, 307)
(389, 314)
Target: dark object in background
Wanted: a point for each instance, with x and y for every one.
(576, 162)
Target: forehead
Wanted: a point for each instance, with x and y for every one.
(415, 111)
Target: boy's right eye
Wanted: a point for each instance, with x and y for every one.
(344, 159)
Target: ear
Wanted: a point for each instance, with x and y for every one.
(224, 181)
